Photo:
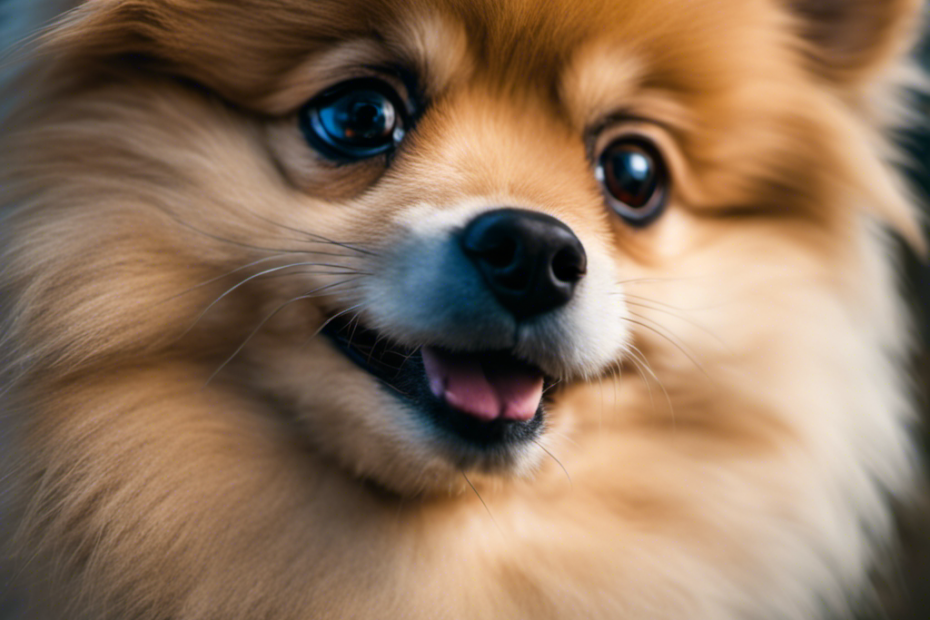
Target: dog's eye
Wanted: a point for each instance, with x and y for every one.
(634, 178)
(354, 121)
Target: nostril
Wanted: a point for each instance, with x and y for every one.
(568, 265)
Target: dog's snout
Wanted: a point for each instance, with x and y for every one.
(530, 261)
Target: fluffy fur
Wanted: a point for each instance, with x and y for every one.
(733, 421)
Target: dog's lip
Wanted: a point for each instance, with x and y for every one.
(404, 369)
(385, 358)
(380, 356)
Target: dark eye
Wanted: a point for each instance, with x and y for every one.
(635, 180)
(355, 120)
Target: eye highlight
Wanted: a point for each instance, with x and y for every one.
(635, 179)
(355, 120)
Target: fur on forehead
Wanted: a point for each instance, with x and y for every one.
(518, 38)
(684, 54)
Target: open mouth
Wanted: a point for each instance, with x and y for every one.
(486, 399)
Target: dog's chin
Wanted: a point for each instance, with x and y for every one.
(444, 419)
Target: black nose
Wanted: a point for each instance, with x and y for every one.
(530, 261)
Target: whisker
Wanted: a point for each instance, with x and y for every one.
(670, 306)
(330, 320)
(316, 272)
(371, 350)
(691, 322)
(639, 369)
(409, 355)
(649, 281)
(375, 346)
(653, 301)
(554, 383)
(395, 388)
(230, 290)
(317, 237)
(552, 456)
(618, 369)
(227, 274)
(240, 244)
(669, 339)
(563, 435)
(648, 368)
(354, 321)
(482, 501)
(308, 295)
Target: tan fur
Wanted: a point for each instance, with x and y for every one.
(737, 460)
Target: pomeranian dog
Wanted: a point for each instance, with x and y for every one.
(452, 308)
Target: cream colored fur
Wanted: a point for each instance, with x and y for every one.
(732, 427)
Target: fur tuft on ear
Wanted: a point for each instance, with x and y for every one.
(886, 197)
(848, 40)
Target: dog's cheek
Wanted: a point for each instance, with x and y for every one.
(347, 417)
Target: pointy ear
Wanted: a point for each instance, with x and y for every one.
(851, 40)
(857, 44)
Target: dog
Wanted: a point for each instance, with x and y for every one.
(452, 308)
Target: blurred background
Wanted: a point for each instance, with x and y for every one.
(908, 595)
(905, 590)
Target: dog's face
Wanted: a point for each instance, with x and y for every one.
(412, 224)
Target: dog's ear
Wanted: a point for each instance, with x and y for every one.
(854, 44)
(851, 40)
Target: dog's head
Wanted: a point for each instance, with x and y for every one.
(409, 224)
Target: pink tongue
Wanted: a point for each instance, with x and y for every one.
(486, 390)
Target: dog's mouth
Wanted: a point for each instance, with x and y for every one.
(486, 400)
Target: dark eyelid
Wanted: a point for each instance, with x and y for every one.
(414, 101)
(619, 117)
